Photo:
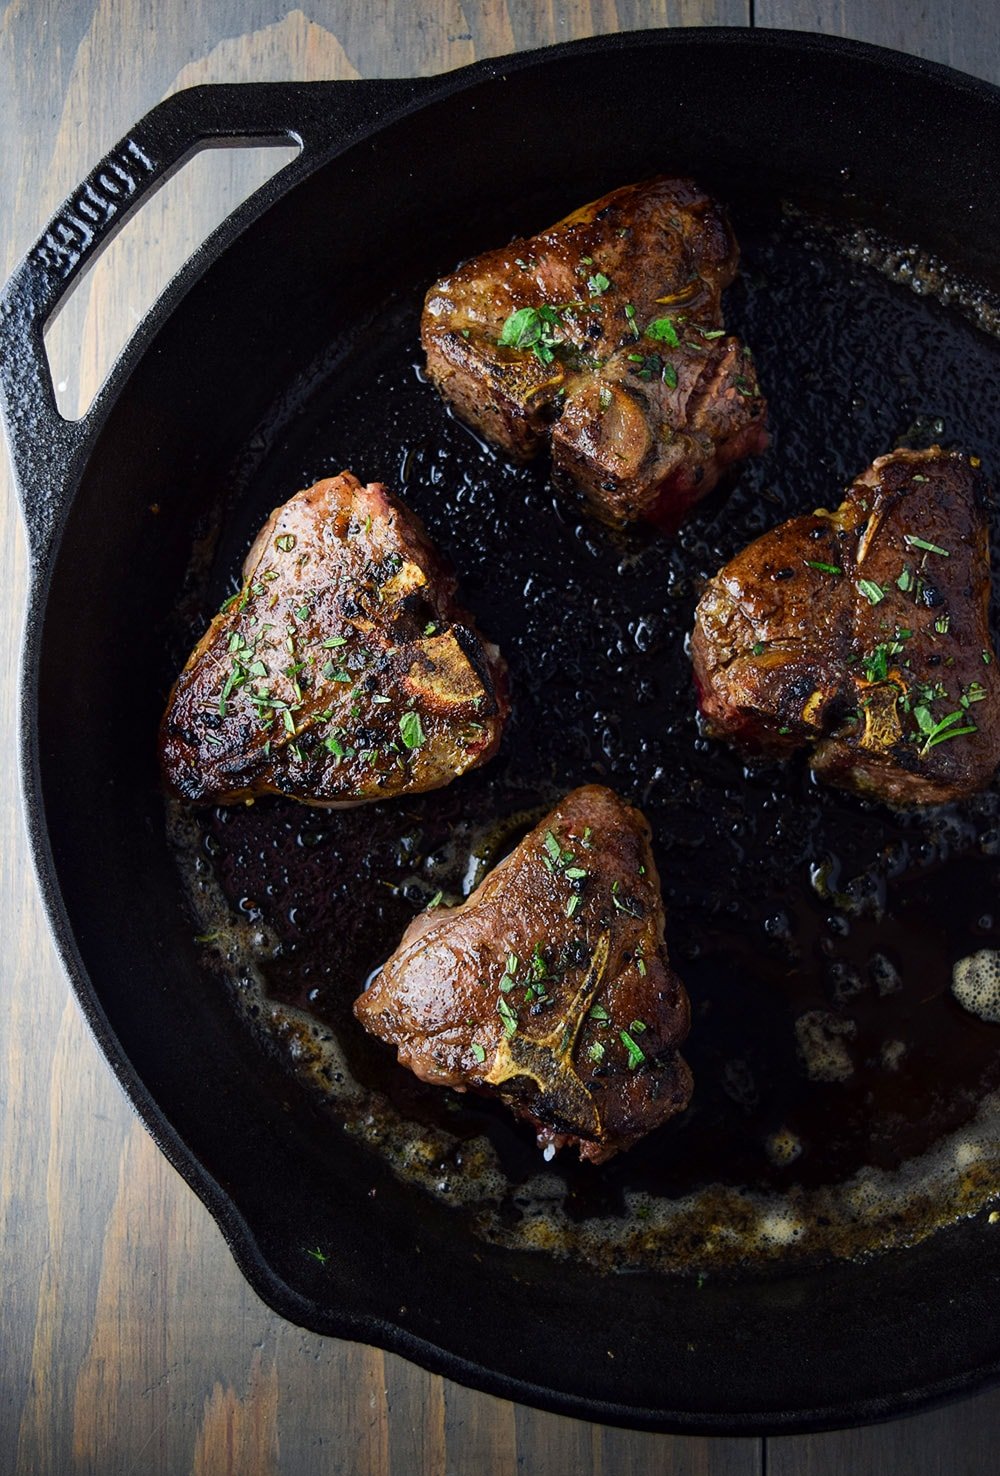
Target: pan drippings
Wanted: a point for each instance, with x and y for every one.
(847, 1097)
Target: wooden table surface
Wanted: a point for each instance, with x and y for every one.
(129, 1342)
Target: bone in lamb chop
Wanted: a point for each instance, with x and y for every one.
(550, 987)
(605, 335)
(863, 634)
(343, 671)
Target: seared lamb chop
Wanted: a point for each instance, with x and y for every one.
(343, 671)
(864, 633)
(605, 333)
(550, 987)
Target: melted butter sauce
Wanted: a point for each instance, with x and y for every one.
(845, 1100)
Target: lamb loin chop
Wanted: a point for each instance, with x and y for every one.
(550, 986)
(864, 635)
(604, 334)
(343, 671)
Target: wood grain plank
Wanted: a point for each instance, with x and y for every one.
(960, 1440)
(962, 33)
(130, 1341)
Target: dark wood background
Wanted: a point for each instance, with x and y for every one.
(129, 1342)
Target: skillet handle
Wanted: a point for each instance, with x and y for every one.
(48, 451)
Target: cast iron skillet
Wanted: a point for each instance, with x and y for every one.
(398, 180)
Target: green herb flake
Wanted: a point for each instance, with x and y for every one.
(552, 846)
(872, 592)
(942, 731)
(479, 1052)
(600, 1014)
(905, 580)
(435, 901)
(318, 1255)
(604, 397)
(663, 331)
(333, 641)
(758, 648)
(636, 1055)
(932, 548)
(942, 623)
(522, 329)
(640, 964)
(508, 1018)
(824, 568)
(597, 284)
(987, 658)
(669, 376)
(411, 730)
(876, 664)
(285, 542)
(595, 1052)
(712, 332)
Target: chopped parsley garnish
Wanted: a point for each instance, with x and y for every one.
(623, 906)
(595, 1051)
(435, 901)
(411, 730)
(712, 332)
(824, 568)
(758, 648)
(669, 376)
(932, 548)
(876, 664)
(508, 1018)
(531, 328)
(285, 542)
(600, 1014)
(332, 641)
(509, 978)
(871, 591)
(636, 1055)
(942, 731)
(478, 1052)
(318, 1255)
(604, 397)
(630, 315)
(663, 330)
(941, 623)
(597, 284)
(573, 904)
(905, 580)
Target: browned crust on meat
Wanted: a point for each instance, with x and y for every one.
(641, 425)
(344, 671)
(886, 669)
(551, 986)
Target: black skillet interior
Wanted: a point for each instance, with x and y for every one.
(293, 355)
